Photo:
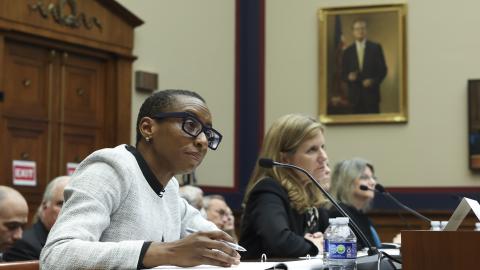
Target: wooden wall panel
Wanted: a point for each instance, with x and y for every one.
(67, 88)
(27, 89)
(115, 33)
(83, 90)
(388, 224)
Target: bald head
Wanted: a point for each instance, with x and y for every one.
(13, 216)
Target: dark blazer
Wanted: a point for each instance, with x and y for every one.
(271, 226)
(29, 246)
(374, 67)
(361, 219)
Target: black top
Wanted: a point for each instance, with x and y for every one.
(147, 172)
(271, 226)
(29, 246)
(361, 98)
(360, 218)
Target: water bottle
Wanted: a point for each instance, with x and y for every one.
(477, 227)
(342, 247)
(435, 225)
(443, 224)
(326, 237)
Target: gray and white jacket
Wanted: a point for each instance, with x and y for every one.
(110, 210)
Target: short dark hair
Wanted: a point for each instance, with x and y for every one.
(160, 102)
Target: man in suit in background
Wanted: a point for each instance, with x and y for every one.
(33, 239)
(13, 217)
(216, 210)
(193, 195)
(363, 68)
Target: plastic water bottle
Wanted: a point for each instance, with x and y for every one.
(443, 224)
(435, 225)
(477, 227)
(342, 247)
(326, 237)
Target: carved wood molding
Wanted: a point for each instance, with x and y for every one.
(73, 20)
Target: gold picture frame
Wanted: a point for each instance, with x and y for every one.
(376, 92)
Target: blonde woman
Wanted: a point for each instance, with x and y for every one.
(283, 217)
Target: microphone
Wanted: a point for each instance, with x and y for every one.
(268, 163)
(380, 189)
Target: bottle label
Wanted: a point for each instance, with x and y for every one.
(342, 250)
(325, 245)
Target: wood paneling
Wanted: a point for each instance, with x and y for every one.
(388, 224)
(26, 140)
(438, 250)
(83, 90)
(27, 85)
(67, 89)
(115, 34)
(77, 143)
(26, 265)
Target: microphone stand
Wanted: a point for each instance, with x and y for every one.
(270, 163)
(381, 190)
(407, 208)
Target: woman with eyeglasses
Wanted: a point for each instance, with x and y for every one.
(122, 207)
(283, 215)
(347, 178)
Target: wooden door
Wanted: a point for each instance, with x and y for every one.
(53, 111)
(28, 72)
(65, 83)
(82, 107)
(26, 111)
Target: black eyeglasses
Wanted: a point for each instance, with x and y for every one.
(193, 127)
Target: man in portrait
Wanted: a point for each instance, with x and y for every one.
(363, 69)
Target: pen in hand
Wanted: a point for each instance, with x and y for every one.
(230, 244)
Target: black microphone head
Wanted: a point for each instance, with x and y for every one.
(266, 163)
(364, 188)
(380, 188)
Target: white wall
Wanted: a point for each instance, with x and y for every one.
(190, 44)
(431, 149)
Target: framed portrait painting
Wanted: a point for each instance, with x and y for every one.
(474, 124)
(362, 57)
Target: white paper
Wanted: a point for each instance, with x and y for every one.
(461, 212)
(475, 207)
(295, 265)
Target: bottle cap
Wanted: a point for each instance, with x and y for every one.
(435, 223)
(443, 223)
(342, 220)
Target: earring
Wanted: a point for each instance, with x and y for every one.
(148, 139)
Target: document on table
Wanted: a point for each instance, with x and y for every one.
(312, 264)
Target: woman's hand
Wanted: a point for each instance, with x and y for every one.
(317, 239)
(195, 249)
